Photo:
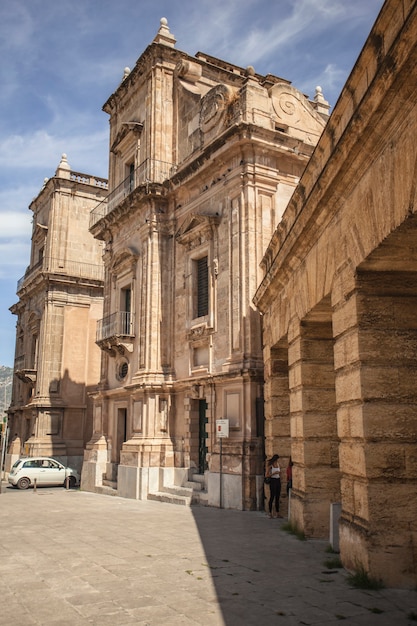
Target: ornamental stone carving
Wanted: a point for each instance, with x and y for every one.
(197, 229)
(295, 113)
(187, 70)
(213, 107)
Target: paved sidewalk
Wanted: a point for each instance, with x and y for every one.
(71, 558)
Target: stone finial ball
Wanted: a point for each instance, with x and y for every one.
(250, 70)
(164, 21)
(319, 89)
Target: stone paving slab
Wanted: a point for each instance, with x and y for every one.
(70, 558)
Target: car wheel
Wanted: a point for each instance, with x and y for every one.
(23, 483)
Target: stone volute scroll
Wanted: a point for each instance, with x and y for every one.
(213, 107)
(293, 111)
(189, 71)
(189, 75)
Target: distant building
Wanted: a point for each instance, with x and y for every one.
(204, 156)
(6, 379)
(60, 300)
(339, 304)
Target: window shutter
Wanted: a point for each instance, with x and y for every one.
(202, 287)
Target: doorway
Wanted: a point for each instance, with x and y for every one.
(121, 434)
(202, 436)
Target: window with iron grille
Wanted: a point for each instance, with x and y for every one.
(126, 310)
(201, 307)
(131, 176)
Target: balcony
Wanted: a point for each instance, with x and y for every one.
(25, 374)
(116, 332)
(149, 172)
(72, 269)
(31, 271)
(19, 362)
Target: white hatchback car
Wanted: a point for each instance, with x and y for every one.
(43, 470)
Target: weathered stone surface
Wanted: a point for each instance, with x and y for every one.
(60, 300)
(345, 254)
(203, 152)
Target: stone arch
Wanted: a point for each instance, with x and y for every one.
(377, 408)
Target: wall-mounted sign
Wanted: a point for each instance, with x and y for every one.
(222, 428)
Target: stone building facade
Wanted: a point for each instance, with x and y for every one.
(339, 304)
(60, 300)
(204, 156)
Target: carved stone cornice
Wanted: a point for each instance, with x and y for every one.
(115, 346)
(199, 333)
(27, 376)
(197, 229)
(127, 130)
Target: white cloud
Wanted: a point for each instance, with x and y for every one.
(15, 224)
(306, 19)
(62, 60)
(42, 150)
(15, 256)
(17, 22)
(332, 75)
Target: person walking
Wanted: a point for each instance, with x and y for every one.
(273, 471)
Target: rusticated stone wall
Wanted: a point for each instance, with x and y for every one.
(339, 290)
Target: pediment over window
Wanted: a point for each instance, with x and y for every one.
(125, 259)
(197, 228)
(127, 131)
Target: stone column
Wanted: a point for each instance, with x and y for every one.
(376, 335)
(316, 479)
(277, 407)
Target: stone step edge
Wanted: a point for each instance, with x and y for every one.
(170, 498)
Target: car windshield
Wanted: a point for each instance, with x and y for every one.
(16, 464)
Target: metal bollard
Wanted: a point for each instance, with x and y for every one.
(34, 485)
(67, 483)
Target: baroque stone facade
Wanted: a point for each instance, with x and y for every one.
(339, 304)
(204, 156)
(60, 300)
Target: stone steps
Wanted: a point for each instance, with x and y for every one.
(191, 493)
(106, 490)
(170, 497)
(200, 495)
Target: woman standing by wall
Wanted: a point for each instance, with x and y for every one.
(273, 471)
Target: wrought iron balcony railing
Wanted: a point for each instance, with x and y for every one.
(19, 362)
(118, 324)
(68, 268)
(150, 171)
(25, 373)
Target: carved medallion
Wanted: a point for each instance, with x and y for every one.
(213, 107)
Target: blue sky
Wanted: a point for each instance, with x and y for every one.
(61, 60)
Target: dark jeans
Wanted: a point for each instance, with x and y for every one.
(275, 492)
